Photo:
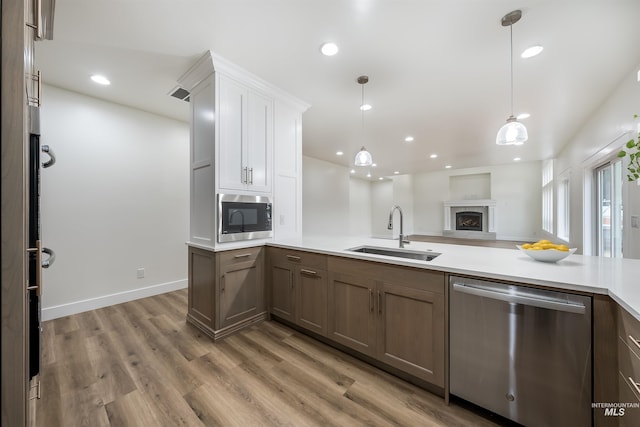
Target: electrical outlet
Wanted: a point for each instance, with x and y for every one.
(635, 221)
(140, 273)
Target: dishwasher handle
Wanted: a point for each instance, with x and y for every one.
(521, 299)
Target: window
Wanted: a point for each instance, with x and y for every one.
(547, 196)
(563, 214)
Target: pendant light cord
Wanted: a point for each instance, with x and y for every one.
(511, 42)
(362, 109)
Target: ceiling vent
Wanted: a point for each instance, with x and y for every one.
(180, 93)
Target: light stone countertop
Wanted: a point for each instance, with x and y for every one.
(619, 278)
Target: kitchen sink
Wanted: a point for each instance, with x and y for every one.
(396, 253)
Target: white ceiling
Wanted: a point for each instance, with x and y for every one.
(438, 69)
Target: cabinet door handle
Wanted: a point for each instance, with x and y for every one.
(370, 300)
(243, 176)
(308, 272)
(251, 176)
(242, 256)
(36, 100)
(52, 156)
(635, 385)
(222, 283)
(379, 302)
(293, 258)
(38, 252)
(635, 341)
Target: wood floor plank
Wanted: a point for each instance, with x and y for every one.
(132, 409)
(112, 376)
(185, 338)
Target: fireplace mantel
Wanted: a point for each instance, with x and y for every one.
(486, 206)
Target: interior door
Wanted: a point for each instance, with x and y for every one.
(609, 209)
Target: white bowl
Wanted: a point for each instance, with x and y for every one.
(547, 255)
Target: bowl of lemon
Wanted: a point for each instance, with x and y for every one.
(546, 251)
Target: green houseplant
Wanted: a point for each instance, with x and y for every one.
(633, 151)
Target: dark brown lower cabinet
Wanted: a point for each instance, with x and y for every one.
(298, 288)
(391, 313)
(226, 289)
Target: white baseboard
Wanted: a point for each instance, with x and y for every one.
(49, 313)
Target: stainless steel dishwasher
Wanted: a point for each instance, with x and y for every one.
(521, 352)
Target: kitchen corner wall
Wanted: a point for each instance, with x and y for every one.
(597, 141)
(115, 201)
(334, 204)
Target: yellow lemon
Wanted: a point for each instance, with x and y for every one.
(526, 246)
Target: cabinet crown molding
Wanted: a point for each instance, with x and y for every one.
(211, 62)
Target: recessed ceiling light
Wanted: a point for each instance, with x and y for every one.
(329, 49)
(516, 159)
(433, 156)
(408, 139)
(339, 153)
(396, 172)
(102, 80)
(365, 107)
(523, 116)
(368, 175)
(448, 167)
(353, 171)
(373, 165)
(381, 178)
(532, 51)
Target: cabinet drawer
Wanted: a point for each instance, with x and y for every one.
(629, 364)
(629, 329)
(306, 259)
(239, 255)
(631, 416)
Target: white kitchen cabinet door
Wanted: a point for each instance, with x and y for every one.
(231, 124)
(259, 142)
(246, 138)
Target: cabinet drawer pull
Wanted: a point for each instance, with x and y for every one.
(242, 256)
(309, 272)
(293, 258)
(635, 341)
(635, 385)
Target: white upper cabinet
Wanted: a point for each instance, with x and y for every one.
(246, 138)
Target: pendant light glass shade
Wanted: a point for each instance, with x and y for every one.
(363, 158)
(513, 132)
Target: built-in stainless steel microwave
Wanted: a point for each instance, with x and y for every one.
(242, 217)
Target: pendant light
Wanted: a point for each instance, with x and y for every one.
(513, 132)
(363, 157)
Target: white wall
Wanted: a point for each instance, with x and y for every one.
(325, 198)
(515, 187)
(602, 135)
(381, 202)
(115, 201)
(360, 207)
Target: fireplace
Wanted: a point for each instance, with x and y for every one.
(469, 221)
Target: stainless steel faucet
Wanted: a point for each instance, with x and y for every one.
(402, 238)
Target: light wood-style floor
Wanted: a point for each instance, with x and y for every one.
(141, 364)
